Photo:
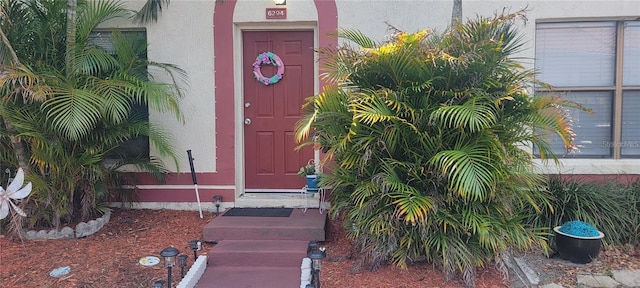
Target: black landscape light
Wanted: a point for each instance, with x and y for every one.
(169, 255)
(195, 246)
(158, 284)
(316, 264)
(316, 254)
(217, 200)
(182, 262)
(313, 245)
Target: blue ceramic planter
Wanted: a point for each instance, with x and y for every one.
(312, 183)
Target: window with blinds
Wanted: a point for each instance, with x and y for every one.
(584, 62)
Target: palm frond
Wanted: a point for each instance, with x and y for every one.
(92, 13)
(357, 37)
(94, 61)
(74, 111)
(471, 116)
(161, 140)
(150, 11)
(23, 84)
(469, 170)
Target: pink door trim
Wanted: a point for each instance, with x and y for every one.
(224, 81)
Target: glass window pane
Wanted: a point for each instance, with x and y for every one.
(593, 131)
(137, 146)
(631, 56)
(576, 54)
(630, 145)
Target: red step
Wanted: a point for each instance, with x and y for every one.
(266, 253)
(304, 226)
(260, 251)
(250, 277)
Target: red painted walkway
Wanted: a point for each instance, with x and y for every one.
(260, 251)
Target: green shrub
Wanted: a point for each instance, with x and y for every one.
(634, 238)
(68, 108)
(426, 133)
(610, 206)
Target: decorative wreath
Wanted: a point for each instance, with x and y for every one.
(268, 58)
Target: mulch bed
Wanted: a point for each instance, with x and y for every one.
(110, 257)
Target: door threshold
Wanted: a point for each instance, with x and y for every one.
(277, 191)
(271, 195)
(276, 200)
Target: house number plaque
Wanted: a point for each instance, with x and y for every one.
(276, 13)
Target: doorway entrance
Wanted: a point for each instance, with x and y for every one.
(271, 111)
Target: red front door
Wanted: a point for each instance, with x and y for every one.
(271, 111)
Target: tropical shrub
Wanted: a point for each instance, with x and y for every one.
(427, 133)
(611, 206)
(70, 105)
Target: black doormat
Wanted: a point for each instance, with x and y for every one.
(259, 212)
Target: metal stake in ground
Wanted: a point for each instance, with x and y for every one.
(195, 181)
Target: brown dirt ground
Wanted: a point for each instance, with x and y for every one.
(110, 257)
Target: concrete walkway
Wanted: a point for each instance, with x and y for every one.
(617, 279)
(523, 274)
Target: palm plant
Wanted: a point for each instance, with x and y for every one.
(427, 132)
(74, 116)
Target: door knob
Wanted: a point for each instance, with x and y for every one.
(247, 121)
(247, 104)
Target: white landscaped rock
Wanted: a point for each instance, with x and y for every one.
(82, 230)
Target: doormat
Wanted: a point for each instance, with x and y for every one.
(259, 212)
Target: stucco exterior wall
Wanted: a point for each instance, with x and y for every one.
(374, 17)
(184, 35)
(253, 11)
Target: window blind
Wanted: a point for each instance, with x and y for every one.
(593, 130)
(631, 65)
(576, 54)
(630, 145)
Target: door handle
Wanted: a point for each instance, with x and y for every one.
(247, 121)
